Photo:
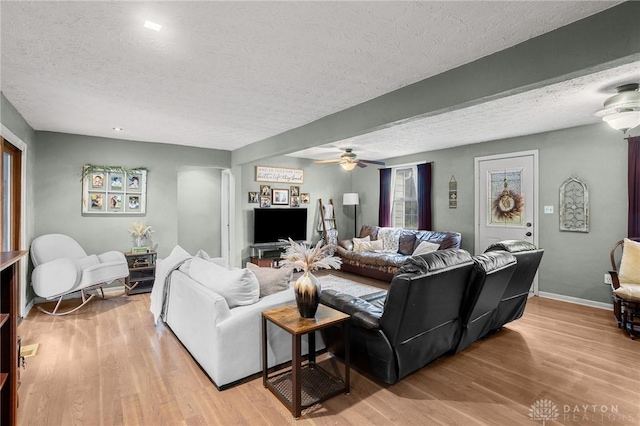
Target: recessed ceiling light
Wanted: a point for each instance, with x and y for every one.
(152, 25)
(117, 129)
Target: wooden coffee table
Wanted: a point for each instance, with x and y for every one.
(303, 386)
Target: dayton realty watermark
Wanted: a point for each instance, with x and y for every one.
(545, 410)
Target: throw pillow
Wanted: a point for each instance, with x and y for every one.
(425, 247)
(178, 252)
(369, 246)
(271, 280)
(390, 238)
(357, 242)
(407, 242)
(217, 260)
(630, 263)
(238, 286)
(204, 256)
(370, 231)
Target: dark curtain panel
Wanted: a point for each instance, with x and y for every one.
(424, 196)
(634, 186)
(384, 210)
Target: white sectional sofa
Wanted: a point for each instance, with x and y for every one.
(226, 342)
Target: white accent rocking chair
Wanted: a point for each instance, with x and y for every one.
(63, 267)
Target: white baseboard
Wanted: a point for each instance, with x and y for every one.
(576, 300)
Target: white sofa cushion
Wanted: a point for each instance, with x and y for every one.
(204, 256)
(271, 280)
(238, 286)
(217, 260)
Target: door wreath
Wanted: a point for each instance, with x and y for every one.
(508, 204)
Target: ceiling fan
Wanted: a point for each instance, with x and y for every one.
(349, 160)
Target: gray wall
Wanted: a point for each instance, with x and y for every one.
(59, 162)
(199, 209)
(574, 263)
(321, 181)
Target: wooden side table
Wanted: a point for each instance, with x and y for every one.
(304, 386)
(142, 272)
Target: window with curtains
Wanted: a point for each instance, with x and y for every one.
(405, 198)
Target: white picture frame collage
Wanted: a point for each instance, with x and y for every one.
(118, 191)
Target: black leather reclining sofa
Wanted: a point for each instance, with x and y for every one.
(437, 303)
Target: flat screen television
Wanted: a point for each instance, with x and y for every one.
(270, 225)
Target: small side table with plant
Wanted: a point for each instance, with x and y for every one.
(309, 259)
(302, 386)
(141, 260)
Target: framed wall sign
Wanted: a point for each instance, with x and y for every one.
(114, 190)
(279, 174)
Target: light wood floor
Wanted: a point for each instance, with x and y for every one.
(109, 365)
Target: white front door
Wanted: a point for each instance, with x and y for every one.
(506, 199)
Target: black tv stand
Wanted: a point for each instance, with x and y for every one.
(268, 250)
(268, 254)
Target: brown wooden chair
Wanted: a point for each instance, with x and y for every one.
(625, 308)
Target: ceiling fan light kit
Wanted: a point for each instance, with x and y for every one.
(349, 160)
(622, 111)
(348, 166)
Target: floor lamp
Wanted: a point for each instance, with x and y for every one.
(352, 199)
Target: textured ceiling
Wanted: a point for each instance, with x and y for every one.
(226, 74)
(558, 106)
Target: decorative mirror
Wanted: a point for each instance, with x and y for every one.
(574, 205)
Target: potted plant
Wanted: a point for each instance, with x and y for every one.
(307, 287)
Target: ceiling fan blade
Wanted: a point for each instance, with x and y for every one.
(380, 163)
(334, 160)
(360, 164)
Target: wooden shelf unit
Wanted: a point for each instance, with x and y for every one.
(9, 374)
(141, 278)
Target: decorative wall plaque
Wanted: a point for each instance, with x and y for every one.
(279, 174)
(574, 205)
(453, 193)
